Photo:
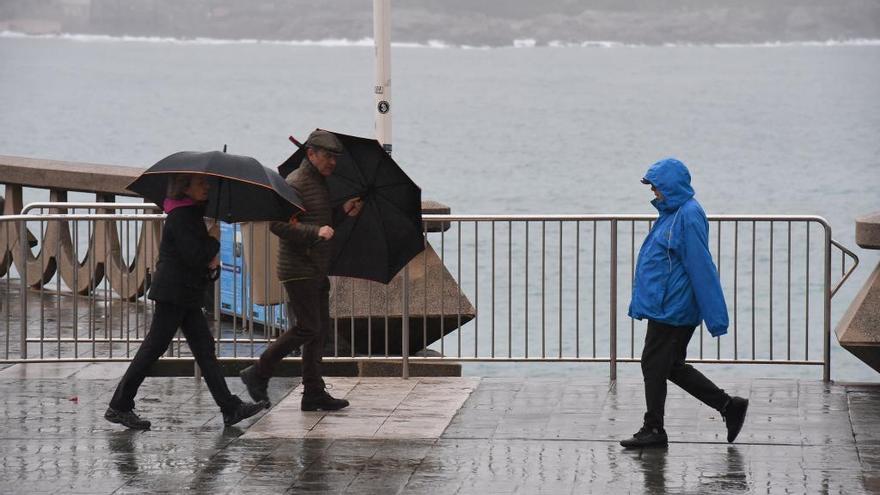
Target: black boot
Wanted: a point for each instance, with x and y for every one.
(321, 401)
(126, 418)
(734, 415)
(242, 411)
(257, 386)
(646, 437)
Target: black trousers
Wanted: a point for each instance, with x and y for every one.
(167, 318)
(663, 358)
(310, 313)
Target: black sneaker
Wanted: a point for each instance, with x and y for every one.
(243, 411)
(126, 418)
(735, 415)
(256, 385)
(322, 401)
(647, 437)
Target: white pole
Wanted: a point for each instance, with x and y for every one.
(382, 90)
(382, 37)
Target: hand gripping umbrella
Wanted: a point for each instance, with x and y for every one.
(388, 232)
(242, 190)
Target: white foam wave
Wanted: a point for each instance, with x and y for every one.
(102, 38)
(525, 43)
(326, 42)
(784, 44)
(432, 44)
(588, 44)
(769, 44)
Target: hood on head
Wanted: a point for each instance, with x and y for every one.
(673, 180)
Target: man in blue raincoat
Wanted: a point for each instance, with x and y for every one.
(676, 287)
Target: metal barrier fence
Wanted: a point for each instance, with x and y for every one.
(544, 288)
(558, 287)
(83, 295)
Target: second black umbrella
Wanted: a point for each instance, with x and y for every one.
(388, 232)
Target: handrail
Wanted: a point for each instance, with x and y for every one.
(612, 216)
(82, 216)
(849, 272)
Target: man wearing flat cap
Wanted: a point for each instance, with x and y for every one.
(303, 265)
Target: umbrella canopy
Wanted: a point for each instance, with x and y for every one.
(388, 232)
(242, 190)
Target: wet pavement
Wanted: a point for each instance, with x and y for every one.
(502, 435)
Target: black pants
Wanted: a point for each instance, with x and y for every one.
(166, 320)
(663, 358)
(310, 313)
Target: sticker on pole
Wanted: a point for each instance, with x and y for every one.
(383, 107)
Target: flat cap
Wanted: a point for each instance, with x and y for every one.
(325, 140)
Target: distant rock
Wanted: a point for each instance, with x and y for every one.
(459, 22)
(31, 26)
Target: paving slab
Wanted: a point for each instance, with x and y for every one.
(101, 371)
(381, 408)
(25, 371)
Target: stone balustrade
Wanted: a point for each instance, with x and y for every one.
(859, 328)
(104, 259)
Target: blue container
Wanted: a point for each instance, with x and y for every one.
(234, 287)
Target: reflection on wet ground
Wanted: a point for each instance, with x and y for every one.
(511, 435)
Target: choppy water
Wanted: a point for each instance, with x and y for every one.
(779, 129)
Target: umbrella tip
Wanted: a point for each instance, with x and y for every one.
(294, 141)
(224, 148)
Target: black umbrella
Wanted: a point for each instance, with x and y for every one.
(388, 233)
(242, 190)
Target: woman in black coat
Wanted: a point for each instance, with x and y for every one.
(187, 254)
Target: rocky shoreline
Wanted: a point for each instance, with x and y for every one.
(457, 22)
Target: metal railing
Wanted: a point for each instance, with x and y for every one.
(107, 320)
(61, 282)
(545, 288)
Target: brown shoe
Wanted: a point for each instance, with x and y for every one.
(257, 386)
(322, 401)
(243, 411)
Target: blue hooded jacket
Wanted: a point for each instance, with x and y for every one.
(676, 281)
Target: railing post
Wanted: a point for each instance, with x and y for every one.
(404, 327)
(826, 310)
(613, 304)
(216, 312)
(23, 252)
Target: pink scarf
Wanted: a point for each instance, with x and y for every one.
(170, 204)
